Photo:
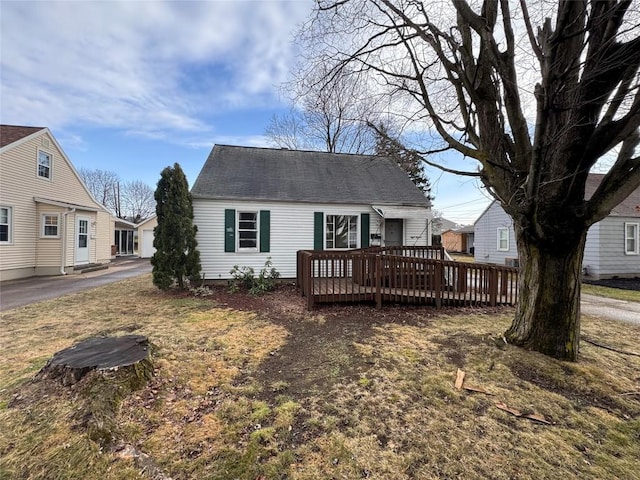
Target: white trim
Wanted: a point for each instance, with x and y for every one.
(9, 240)
(324, 231)
(76, 248)
(57, 203)
(636, 229)
(48, 178)
(498, 230)
(43, 225)
(247, 249)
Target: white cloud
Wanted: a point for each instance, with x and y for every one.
(144, 67)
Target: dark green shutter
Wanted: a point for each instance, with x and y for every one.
(364, 230)
(229, 230)
(265, 230)
(318, 230)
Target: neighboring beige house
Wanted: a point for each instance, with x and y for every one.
(145, 237)
(49, 221)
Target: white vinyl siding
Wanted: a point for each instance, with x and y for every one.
(485, 244)
(503, 239)
(631, 238)
(6, 224)
(291, 229)
(50, 225)
(604, 254)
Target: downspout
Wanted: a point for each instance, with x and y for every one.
(64, 239)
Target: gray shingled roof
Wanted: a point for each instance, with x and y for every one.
(629, 207)
(248, 173)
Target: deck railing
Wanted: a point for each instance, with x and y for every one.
(420, 275)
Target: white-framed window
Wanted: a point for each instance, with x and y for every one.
(631, 239)
(50, 225)
(6, 224)
(247, 230)
(341, 231)
(45, 164)
(503, 239)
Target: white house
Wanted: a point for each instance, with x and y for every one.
(612, 248)
(254, 203)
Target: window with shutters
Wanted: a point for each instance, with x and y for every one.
(341, 231)
(247, 230)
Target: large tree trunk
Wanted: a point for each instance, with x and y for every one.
(547, 317)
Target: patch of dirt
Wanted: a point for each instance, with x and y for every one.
(621, 283)
(320, 351)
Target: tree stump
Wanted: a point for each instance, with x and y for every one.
(97, 353)
(102, 370)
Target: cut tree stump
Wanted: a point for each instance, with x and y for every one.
(103, 370)
(96, 353)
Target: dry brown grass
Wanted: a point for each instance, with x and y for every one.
(339, 393)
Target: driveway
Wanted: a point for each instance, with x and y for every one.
(17, 293)
(610, 308)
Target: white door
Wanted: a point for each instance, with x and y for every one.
(82, 240)
(147, 244)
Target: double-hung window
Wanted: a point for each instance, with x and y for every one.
(503, 239)
(5, 224)
(341, 231)
(631, 239)
(44, 164)
(50, 224)
(247, 230)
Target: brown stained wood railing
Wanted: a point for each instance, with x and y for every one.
(420, 275)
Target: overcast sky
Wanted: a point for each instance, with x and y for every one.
(135, 86)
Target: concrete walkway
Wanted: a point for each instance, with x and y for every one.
(17, 293)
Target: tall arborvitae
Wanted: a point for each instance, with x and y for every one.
(176, 258)
(409, 160)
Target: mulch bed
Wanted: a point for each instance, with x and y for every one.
(621, 283)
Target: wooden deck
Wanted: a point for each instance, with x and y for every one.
(419, 275)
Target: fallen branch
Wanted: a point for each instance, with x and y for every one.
(459, 379)
(608, 347)
(517, 413)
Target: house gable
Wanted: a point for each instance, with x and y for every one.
(39, 182)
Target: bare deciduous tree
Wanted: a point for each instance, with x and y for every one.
(537, 94)
(326, 116)
(132, 200)
(138, 201)
(102, 184)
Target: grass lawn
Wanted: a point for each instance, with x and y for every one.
(258, 388)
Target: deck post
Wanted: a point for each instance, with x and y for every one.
(378, 280)
(309, 282)
(493, 287)
(437, 283)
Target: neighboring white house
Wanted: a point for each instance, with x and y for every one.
(49, 221)
(254, 203)
(612, 248)
(145, 237)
